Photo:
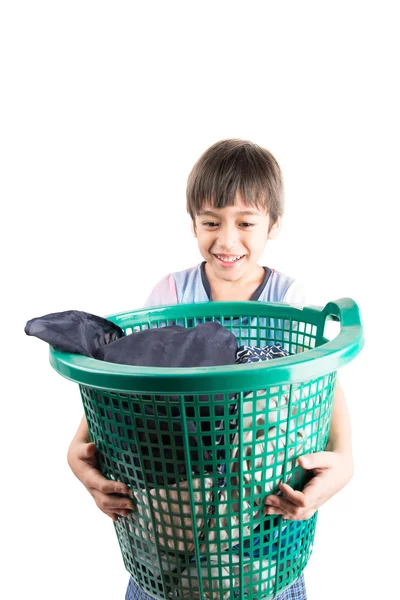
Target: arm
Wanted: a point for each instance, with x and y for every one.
(340, 432)
(83, 463)
(332, 469)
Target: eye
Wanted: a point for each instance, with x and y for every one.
(246, 225)
(210, 224)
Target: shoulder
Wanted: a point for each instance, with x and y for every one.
(296, 293)
(283, 288)
(169, 289)
(187, 276)
(163, 293)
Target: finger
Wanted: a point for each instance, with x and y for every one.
(270, 510)
(108, 486)
(278, 503)
(85, 451)
(116, 504)
(124, 513)
(318, 460)
(112, 516)
(317, 490)
(287, 510)
(112, 503)
(293, 496)
(96, 481)
(271, 500)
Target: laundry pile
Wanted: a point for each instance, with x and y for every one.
(235, 460)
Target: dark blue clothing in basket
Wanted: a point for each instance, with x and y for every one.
(252, 354)
(206, 345)
(297, 591)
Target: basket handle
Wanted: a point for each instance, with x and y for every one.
(344, 310)
(348, 343)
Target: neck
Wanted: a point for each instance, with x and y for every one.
(238, 290)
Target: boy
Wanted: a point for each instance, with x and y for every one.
(235, 200)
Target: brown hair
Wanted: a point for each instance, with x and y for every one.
(236, 165)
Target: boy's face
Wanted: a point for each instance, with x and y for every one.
(232, 239)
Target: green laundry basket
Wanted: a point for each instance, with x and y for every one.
(201, 448)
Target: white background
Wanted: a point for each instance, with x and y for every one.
(105, 107)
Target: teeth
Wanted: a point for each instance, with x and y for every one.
(229, 260)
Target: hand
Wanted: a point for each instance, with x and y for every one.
(332, 471)
(83, 462)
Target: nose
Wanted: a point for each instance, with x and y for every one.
(227, 237)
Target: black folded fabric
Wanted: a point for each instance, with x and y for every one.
(74, 331)
(208, 344)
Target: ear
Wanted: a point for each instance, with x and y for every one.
(275, 229)
(193, 228)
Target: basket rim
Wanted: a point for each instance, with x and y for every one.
(321, 360)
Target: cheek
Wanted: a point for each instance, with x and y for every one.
(257, 245)
(205, 239)
(204, 245)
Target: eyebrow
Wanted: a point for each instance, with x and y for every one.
(241, 213)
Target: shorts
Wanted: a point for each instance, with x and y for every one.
(297, 591)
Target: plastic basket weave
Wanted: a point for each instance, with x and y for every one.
(201, 448)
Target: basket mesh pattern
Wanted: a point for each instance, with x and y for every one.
(293, 334)
(201, 465)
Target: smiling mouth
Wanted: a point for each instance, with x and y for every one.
(229, 259)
